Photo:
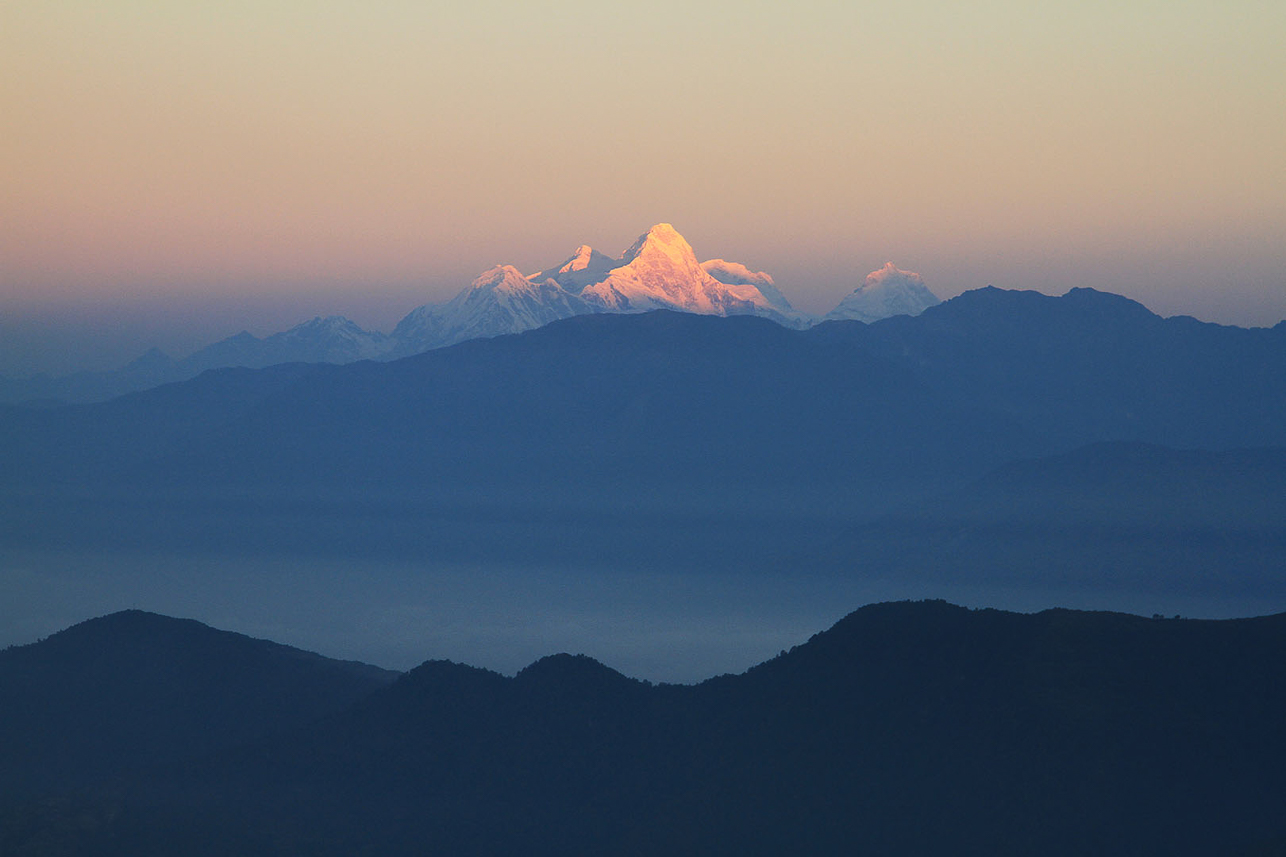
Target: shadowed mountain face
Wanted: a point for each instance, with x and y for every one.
(987, 377)
(1103, 518)
(910, 728)
(668, 413)
(136, 690)
(599, 401)
(1092, 366)
(333, 339)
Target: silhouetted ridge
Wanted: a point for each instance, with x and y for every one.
(603, 419)
(567, 670)
(137, 689)
(916, 728)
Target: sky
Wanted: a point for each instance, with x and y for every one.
(171, 173)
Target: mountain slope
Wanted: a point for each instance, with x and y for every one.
(885, 293)
(908, 728)
(135, 690)
(501, 300)
(737, 274)
(1091, 366)
(1101, 519)
(660, 271)
(679, 410)
(333, 339)
(585, 266)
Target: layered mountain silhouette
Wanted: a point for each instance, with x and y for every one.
(660, 271)
(907, 728)
(137, 690)
(333, 339)
(673, 398)
(655, 425)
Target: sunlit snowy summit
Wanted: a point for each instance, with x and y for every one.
(659, 271)
(885, 293)
(501, 300)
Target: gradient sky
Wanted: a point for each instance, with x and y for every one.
(173, 172)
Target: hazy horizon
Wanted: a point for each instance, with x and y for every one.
(59, 338)
(178, 174)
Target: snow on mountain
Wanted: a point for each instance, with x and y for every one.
(333, 339)
(499, 301)
(660, 271)
(737, 274)
(585, 266)
(887, 292)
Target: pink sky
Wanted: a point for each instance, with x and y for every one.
(229, 165)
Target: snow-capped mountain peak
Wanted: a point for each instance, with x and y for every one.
(585, 266)
(886, 292)
(658, 271)
(503, 278)
(501, 300)
(737, 274)
(579, 260)
(662, 239)
(661, 271)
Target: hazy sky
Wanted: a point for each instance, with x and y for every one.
(173, 172)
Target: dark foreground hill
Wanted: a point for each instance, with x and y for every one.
(135, 690)
(909, 728)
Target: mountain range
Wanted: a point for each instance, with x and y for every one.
(1000, 441)
(666, 439)
(659, 271)
(907, 728)
(678, 398)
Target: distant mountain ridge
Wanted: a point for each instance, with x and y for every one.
(1016, 374)
(333, 339)
(622, 413)
(659, 271)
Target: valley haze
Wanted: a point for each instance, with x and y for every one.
(364, 489)
(680, 493)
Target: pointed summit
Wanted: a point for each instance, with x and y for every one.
(887, 292)
(152, 360)
(585, 266)
(660, 271)
(662, 238)
(501, 300)
(505, 278)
